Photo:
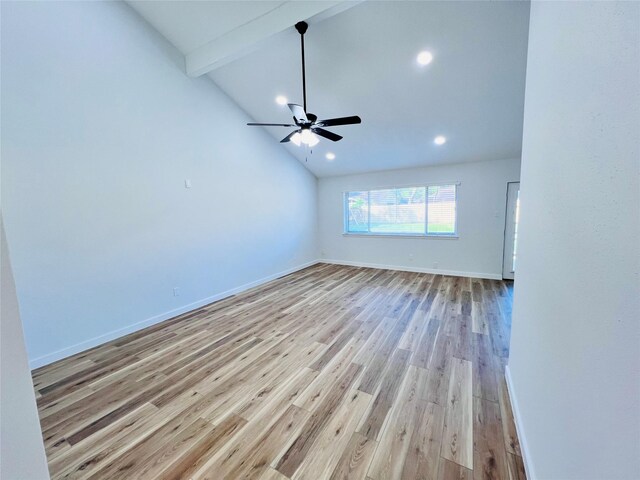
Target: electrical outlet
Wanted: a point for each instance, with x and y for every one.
(411, 257)
(176, 292)
(436, 264)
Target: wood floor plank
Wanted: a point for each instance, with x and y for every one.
(411, 337)
(192, 460)
(330, 372)
(484, 377)
(356, 458)
(252, 457)
(179, 446)
(323, 457)
(47, 378)
(479, 323)
(452, 471)
(91, 453)
(423, 459)
(516, 467)
(271, 387)
(394, 441)
(457, 441)
(322, 386)
(510, 434)
(365, 355)
(296, 453)
(336, 346)
(463, 339)
(439, 368)
(374, 371)
(240, 444)
(372, 423)
(272, 474)
(422, 355)
(489, 453)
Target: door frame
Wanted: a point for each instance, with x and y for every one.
(506, 225)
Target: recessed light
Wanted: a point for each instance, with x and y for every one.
(281, 100)
(440, 140)
(330, 156)
(424, 58)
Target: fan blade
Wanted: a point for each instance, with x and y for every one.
(298, 113)
(271, 124)
(288, 137)
(327, 134)
(333, 122)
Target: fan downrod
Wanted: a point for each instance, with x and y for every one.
(301, 27)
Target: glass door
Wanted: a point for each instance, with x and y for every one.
(511, 231)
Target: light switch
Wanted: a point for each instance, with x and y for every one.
(187, 184)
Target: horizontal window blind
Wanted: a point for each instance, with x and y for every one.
(429, 210)
(441, 205)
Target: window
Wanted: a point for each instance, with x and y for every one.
(426, 211)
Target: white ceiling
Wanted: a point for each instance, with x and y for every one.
(362, 62)
(189, 25)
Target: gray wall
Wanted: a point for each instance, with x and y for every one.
(100, 130)
(575, 347)
(21, 448)
(481, 211)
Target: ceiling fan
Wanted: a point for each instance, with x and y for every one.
(308, 125)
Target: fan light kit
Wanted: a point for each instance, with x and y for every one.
(307, 124)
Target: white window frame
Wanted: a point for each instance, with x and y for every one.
(368, 233)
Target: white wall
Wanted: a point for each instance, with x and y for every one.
(575, 346)
(100, 129)
(481, 211)
(21, 448)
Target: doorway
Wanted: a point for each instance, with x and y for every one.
(512, 219)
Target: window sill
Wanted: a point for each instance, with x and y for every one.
(398, 235)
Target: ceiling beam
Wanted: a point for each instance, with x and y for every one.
(245, 38)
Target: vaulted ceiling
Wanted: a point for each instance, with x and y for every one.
(361, 60)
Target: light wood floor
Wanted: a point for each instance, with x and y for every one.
(331, 372)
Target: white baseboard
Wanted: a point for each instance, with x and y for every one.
(454, 273)
(107, 337)
(522, 439)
